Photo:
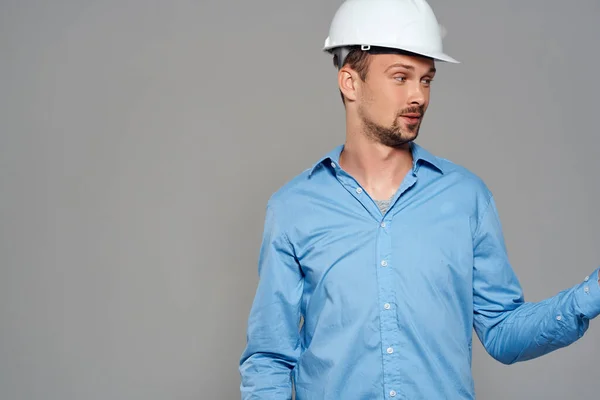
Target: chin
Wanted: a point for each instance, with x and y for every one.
(400, 141)
(409, 136)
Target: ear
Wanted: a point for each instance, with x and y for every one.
(348, 82)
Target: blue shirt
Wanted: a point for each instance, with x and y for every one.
(388, 302)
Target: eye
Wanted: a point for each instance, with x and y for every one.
(400, 78)
(427, 81)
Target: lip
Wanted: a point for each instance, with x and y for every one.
(412, 118)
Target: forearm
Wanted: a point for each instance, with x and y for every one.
(534, 329)
(272, 351)
(266, 376)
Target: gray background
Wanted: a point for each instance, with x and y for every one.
(140, 141)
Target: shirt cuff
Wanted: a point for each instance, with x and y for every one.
(587, 295)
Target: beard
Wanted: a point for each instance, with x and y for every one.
(398, 134)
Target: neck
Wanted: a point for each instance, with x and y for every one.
(378, 169)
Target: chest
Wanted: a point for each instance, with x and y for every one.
(423, 245)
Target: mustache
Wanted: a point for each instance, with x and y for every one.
(412, 110)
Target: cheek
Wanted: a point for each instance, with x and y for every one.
(426, 95)
(402, 95)
(393, 96)
(382, 102)
(386, 109)
(426, 103)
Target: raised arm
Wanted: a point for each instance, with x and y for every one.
(510, 328)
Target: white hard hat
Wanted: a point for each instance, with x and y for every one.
(408, 25)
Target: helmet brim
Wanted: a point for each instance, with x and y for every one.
(440, 56)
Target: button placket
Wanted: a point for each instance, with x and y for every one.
(388, 320)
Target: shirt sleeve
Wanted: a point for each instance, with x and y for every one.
(511, 329)
(273, 341)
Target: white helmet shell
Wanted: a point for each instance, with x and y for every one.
(408, 25)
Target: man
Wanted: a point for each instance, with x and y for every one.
(388, 254)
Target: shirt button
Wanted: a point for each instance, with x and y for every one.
(558, 317)
(383, 224)
(386, 306)
(587, 278)
(358, 190)
(390, 350)
(587, 289)
(393, 393)
(333, 165)
(384, 263)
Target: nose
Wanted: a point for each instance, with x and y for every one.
(417, 94)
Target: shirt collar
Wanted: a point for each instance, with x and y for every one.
(332, 157)
(419, 154)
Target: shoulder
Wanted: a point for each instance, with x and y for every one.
(311, 182)
(469, 189)
(466, 178)
(286, 193)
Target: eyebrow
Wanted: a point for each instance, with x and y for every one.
(408, 67)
